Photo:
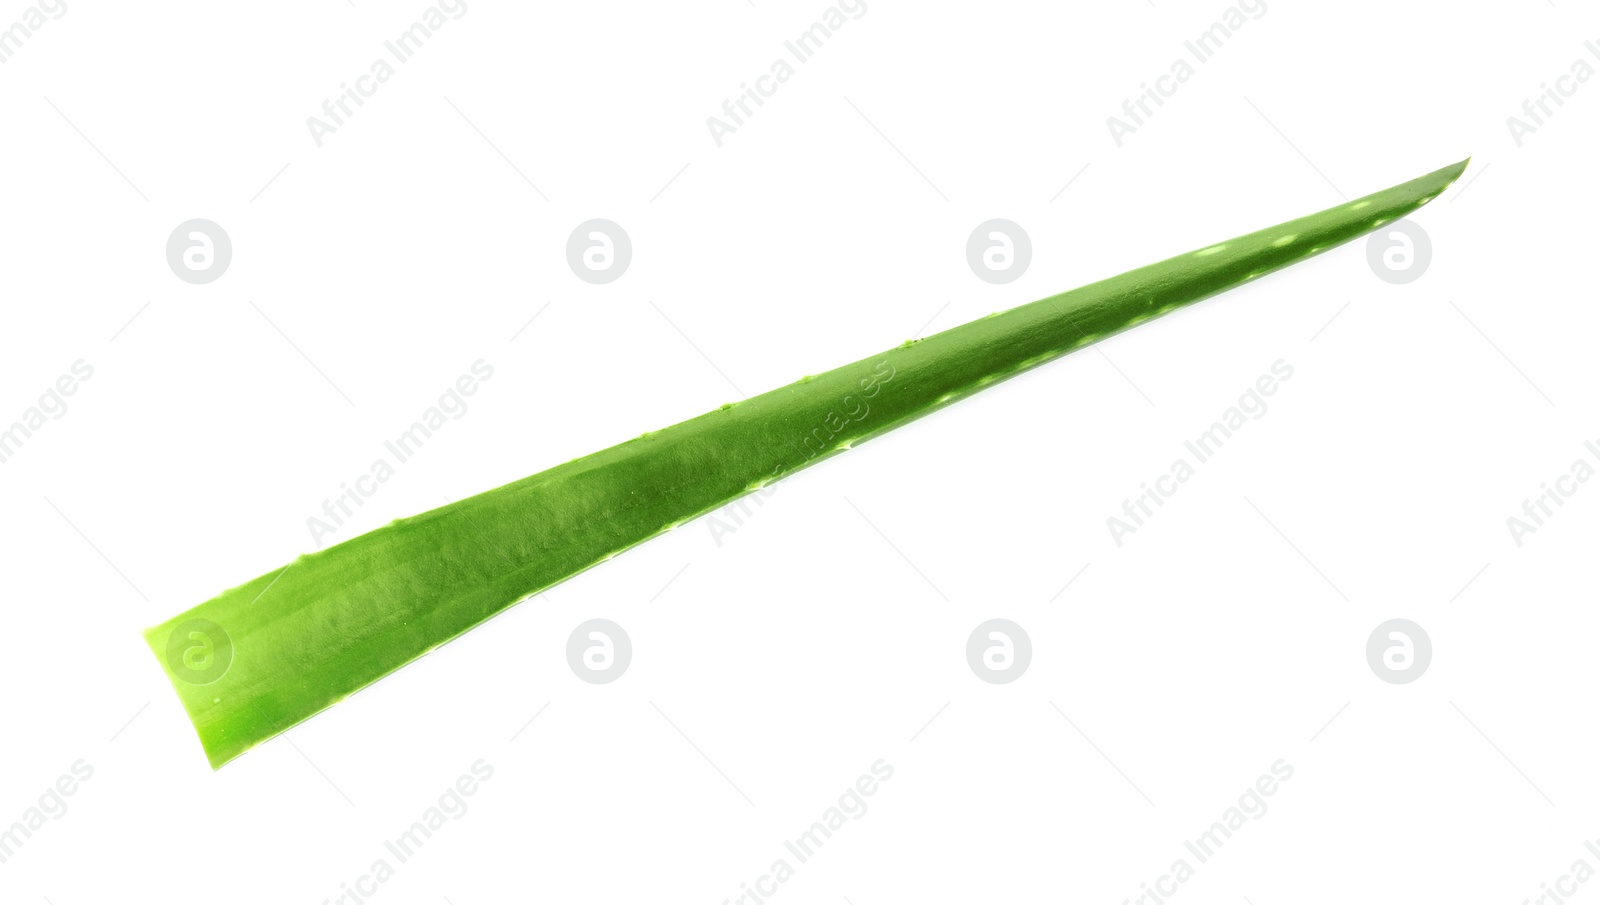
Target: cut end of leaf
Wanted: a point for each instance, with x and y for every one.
(164, 641)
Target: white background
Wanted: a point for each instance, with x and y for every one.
(773, 668)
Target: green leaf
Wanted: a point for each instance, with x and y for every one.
(259, 658)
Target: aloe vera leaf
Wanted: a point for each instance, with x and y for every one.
(259, 658)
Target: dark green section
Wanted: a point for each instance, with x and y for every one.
(278, 649)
